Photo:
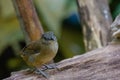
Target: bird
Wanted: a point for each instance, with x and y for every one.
(40, 52)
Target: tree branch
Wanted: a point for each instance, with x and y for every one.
(96, 20)
(28, 18)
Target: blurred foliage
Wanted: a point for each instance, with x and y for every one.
(115, 7)
(52, 12)
(10, 32)
(59, 16)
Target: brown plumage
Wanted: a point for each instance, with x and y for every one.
(40, 52)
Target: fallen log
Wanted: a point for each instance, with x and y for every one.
(99, 64)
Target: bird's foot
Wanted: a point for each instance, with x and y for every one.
(49, 66)
(41, 72)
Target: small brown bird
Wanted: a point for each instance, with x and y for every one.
(40, 52)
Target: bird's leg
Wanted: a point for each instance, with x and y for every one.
(39, 71)
(31, 69)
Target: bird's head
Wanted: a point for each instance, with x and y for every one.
(48, 37)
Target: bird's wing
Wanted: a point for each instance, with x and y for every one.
(32, 48)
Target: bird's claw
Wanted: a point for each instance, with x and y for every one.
(50, 66)
(40, 72)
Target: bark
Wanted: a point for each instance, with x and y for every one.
(96, 20)
(28, 19)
